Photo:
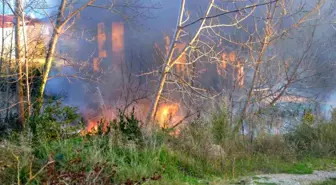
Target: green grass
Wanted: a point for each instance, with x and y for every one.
(264, 183)
(7, 166)
(201, 154)
(134, 162)
(328, 182)
(260, 164)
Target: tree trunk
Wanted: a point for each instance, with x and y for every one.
(170, 62)
(166, 67)
(9, 56)
(60, 22)
(256, 74)
(19, 84)
(26, 65)
(3, 36)
(51, 51)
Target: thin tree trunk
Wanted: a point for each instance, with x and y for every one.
(60, 22)
(170, 62)
(166, 66)
(3, 36)
(254, 79)
(265, 43)
(51, 51)
(26, 65)
(9, 57)
(18, 34)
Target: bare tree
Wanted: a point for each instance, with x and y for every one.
(58, 27)
(19, 61)
(65, 20)
(205, 24)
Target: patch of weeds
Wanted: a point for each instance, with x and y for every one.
(7, 166)
(258, 178)
(331, 181)
(265, 183)
(301, 168)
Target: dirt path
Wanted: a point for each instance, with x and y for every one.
(290, 179)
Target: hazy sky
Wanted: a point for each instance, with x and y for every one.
(36, 11)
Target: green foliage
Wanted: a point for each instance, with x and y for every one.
(35, 82)
(126, 126)
(331, 181)
(318, 140)
(221, 128)
(308, 117)
(272, 145)
(9, 124)
(130, 126)
(55, 122)
(333, 115)
(123, 153)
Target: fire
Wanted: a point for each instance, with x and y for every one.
(232, 57)
(101, 35)
(166, 113)
(96, 64)
(91, 129)
(181, 66)
(240, 74)
(118, 32)
(117, 37)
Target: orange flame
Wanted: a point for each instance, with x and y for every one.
(165, 114)
(224, 60)
(222, 66)
(117, 37)
(101, 40)
(241, 74)
(181, 66)
(91, 129)
(96, 64)
(233, 57)
(118, 32)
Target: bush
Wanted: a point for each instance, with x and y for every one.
(125, 127)
(316, 140)
(55, 122)
(130, 127)
(220, 126)
(9, 124)
(119, 153)
(273, 145)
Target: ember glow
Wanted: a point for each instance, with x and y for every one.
(166, 114)
(101, 40)
(117, 37)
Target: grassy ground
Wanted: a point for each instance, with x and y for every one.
(328, 182)
(98, 158)
(203, 153)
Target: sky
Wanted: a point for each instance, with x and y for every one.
(37, 11)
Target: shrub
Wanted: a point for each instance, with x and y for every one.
(272, 145)
(317, 140)
(130, 126)
(220, 126)
(55, 122)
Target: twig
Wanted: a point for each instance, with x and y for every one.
(229, 12)
(37, 173)
(184, 118)
(18, 167)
